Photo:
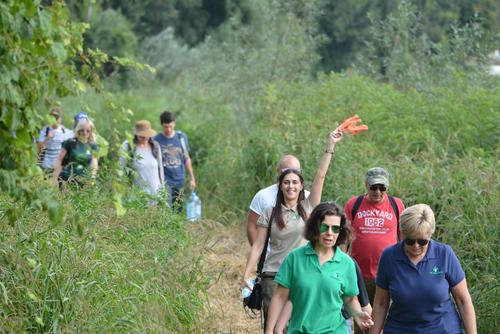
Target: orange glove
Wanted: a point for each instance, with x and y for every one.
(349, 125)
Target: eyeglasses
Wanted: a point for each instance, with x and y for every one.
(421, 242)
(380, 187)
(84, 131)
(294, 170)
(324, 227)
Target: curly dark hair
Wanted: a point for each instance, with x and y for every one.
(317, 216)
(280, 199)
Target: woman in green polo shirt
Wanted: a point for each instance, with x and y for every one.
(78, 157)
(319, 278)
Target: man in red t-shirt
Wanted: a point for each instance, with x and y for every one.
(375, 224)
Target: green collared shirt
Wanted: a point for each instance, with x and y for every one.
(317, 292)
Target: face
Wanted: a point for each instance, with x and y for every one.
(329, 231)
(416, 249)
(85, 132)
(375, 193)
(291, 186)
(168, 129)
(142, 139)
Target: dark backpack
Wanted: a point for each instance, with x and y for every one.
(394, 206)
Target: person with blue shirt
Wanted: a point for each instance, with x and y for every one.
(176, 160)
(319, 278)
(414, 281)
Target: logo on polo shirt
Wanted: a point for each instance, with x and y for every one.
(435, 271)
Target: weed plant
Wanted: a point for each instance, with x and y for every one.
(99, 274)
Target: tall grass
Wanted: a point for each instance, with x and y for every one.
(105, 274)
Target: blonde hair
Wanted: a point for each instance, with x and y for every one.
(417, 220)
(81, 125)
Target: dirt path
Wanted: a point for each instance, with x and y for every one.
(225, 261)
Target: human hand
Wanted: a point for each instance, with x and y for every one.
(192, 184)
(364, 320)
(334, 137)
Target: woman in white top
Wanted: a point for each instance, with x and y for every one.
(287, 219)
(146, 158)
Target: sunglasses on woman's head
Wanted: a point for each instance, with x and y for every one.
(324, 227)
(294, 170)
(380, 187)
(421, 242)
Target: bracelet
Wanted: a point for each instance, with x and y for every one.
(329, 152)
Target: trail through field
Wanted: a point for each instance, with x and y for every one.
(226, 250)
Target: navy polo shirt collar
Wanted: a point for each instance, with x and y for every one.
(309, 250)
(401, 256)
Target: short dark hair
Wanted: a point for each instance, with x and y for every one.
(167, 117)
(318, 215)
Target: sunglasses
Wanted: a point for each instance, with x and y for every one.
(380, 187)
(324, 227)
(294, 170)
(421, 242)
(84, 131)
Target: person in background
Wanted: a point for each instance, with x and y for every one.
(414, 281)
(50, 140)
(77, 159)
(176, 160)
(319, 279)
(374, 218)
(99, 140)
(286, 222)
(145, 158)
(266, 197)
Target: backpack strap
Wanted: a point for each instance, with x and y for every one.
(396, 211)
(47, 129)
(180, 136)
(264, 251)
(356, 206)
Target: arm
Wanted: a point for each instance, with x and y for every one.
(189, 168)
(255, 252)
(93, 166)
(380, 308)
(285, 314)
(280, 297)
(58, 166)
(463, 300)
(319, 178)
(252, 226)
(362, 318)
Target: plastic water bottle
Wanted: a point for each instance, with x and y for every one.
(246, 292)
(193, 207)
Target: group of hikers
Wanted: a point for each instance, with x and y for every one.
(158, 160)
(373, 260)
(319, 264)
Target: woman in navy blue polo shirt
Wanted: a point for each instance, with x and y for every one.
(417, 274)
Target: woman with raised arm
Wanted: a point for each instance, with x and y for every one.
(287, 219)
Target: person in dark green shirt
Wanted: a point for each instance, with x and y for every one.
(78, 157)
(319, 278)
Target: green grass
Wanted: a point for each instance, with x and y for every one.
(137, 273)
